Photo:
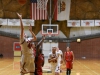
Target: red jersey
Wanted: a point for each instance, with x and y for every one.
(69, 59)
(40, 60)
(69, 56)
(39, 63)
(34, 52)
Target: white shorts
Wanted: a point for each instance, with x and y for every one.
(27, 64)
(57, 68)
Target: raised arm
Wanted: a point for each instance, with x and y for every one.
(34, 36)
(38, 45)
(49, 58)
(61, 57)
(73, 56)
(21, 25)
(41, 41)
(65, 57)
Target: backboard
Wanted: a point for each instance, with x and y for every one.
(50, 29)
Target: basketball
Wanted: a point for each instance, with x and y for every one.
(22, 1)
(54, 60)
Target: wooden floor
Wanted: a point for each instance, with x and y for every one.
(10, 66)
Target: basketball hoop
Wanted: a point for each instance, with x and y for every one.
(50, 34)
(42, 4)
(50, 30)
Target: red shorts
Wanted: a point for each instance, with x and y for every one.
(38, 71)
(69, 65)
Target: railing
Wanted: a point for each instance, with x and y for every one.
(55, 39)
(7, 34)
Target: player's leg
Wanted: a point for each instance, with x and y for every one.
(53, 71)
(21, 73)
(57, 71)
(70, 67)
(21, 68)
(69, 71)
(31, 73)
(53, 67)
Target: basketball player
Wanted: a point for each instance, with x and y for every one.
(59, 61)
(69, 57)
(39, 59)
(53, 60)
(34, 48)
(27, 58)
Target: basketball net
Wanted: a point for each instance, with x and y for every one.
(49, 34)
(42, 4)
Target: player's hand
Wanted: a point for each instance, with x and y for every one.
(57, 49)
(50, 60)
(54, 59)
(30, 27)
(19, 15)
(43, 36)
(61, 61)
(64, 62)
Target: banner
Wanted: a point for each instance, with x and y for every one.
(39, 9)
(13, 22)
(97, 22)
(16, 22)
(73, 23)
(3, 21)
(87, 23)
(27, 22)
(16, 46)
(62, 9)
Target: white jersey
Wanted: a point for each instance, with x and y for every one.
(59, 54)
(59, 58)
(27, 58)
(53, 64)
(51, 55)
(25, 49)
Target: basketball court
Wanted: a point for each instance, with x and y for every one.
(61, 23)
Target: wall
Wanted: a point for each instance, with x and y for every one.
(87, 48)
(6, 46)
(62, 46)
(85, 9)
(47, 47)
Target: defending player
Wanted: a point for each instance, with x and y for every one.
(39, 59)
(69, 58)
